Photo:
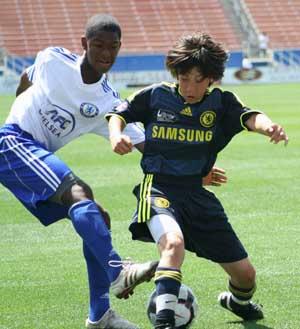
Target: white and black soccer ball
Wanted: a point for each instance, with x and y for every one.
(185, 311)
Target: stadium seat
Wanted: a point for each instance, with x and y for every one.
(279, 19)
(149, 26)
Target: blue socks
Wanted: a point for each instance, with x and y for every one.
(98, 284)
(98, 252)
(89, 224)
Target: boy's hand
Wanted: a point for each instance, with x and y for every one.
(216, 177)
(277, 134)
(121, 144)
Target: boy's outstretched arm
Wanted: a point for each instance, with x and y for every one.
(24, 83)
(120, 143)
(262, 124)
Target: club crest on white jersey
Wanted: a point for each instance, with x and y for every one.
(89, 110)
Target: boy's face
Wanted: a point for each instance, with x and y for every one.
(102, 50)
(192, 85)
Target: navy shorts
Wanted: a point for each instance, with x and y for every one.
(31, 173)
(199, 214)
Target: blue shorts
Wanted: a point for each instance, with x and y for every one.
(31, 173)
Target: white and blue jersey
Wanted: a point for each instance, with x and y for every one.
(59, 106)
(56, 109)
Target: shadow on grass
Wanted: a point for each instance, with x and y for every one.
(250, 325)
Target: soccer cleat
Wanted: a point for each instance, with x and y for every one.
(131, 275)
(248, 311)
(110, 320)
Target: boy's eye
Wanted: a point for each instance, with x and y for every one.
(200, 79)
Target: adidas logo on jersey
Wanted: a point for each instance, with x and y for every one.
(187, 111)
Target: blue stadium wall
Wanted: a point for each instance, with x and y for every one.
(137, 70)
(156, 62)
(145, 62)
(127, 62)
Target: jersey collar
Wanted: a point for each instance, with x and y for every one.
(86, 86)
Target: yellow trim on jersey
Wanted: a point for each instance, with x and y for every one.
(235, 95)
(144, 206)
(242, 115)
(175, 275)
(169, 84)
(131, 97)
(238, 99)
(109, 115)
(148, 196)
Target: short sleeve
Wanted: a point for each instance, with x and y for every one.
(135, 132)
(235, 114)
(135, 108)
(41, 70)
(31, 73)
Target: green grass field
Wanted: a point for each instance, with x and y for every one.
(42, 272)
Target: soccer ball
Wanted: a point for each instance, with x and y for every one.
(185, 311)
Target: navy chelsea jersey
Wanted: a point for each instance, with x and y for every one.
(183, 139)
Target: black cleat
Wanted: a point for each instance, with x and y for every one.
(248, 312)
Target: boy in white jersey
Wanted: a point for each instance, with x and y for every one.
(69, 98)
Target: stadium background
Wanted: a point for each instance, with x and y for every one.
(42, 273)
(150, 27)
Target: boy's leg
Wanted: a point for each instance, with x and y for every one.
(212, 236)
(167, 233)
(34, 175)
(241, 290)
(98, 286)
(90, 225)
(168, 282)
(100, 314)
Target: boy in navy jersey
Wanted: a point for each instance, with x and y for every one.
(186, 125)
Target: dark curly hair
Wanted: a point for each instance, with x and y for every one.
(197, 50)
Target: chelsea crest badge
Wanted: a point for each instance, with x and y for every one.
(89, 110)
(161, 202)
(207, 119)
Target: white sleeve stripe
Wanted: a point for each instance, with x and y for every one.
(31, 75)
